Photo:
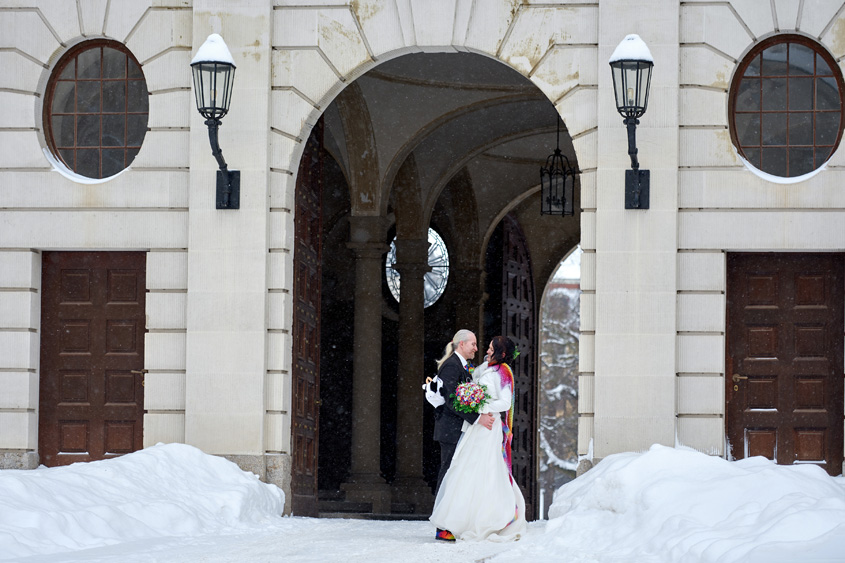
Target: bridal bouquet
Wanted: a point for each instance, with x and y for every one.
(470, 397)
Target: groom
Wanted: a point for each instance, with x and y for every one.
(448, 421)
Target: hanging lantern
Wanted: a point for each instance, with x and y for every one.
(557, 180)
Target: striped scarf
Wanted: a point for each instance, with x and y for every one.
(507, 381)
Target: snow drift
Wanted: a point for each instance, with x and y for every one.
(174, 504)
(165, 490)
(675, 504)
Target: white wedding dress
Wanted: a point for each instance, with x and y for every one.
(477, 499)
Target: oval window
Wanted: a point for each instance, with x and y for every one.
(96, 109)
(786, 106)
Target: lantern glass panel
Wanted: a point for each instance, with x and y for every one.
(619, 86)
(569, 193)
(631, 81)
(645, 77)
(213, 88)
(554, 197)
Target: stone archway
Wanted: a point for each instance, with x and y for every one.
(372, 212)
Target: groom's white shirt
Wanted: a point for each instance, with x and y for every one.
(463, 360)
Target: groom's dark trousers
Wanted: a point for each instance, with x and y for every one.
(447, 421)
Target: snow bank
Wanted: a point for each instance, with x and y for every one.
(165, 490)
(680, 505)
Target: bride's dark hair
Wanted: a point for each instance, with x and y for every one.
(503, 349)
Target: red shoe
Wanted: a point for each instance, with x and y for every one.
(444, 535)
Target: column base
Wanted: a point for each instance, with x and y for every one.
(415, 491)
(279, 473)
(18, 460)
(371, 489)
(252, 463)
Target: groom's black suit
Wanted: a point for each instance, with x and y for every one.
(447, 421)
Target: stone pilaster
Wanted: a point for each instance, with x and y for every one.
(635, 302)
(226, 334)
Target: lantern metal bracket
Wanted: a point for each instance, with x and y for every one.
(637, 181)
(229, 189)
(636, 189)
(228, 181)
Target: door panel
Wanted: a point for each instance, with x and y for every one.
(518, 320)
(306, 327)
(784, 357)
(91, 403)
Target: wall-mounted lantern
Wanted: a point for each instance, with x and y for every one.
(214, 73)
(631, 64)
(557, 180)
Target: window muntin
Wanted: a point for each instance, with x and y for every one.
(787, 106)
(96, 109)
(434, 283)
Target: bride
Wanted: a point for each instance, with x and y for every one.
(479, 498)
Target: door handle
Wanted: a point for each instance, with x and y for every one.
(736, 377)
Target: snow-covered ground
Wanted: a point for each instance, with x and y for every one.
(174, 503)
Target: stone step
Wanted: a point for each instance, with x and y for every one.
(371, 516)
(333, 504)
(401, 508)
(344, 506)
(327, 494)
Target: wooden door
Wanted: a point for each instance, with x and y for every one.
(306, 327)
(91, 403)
(518, 323)
(784, 357)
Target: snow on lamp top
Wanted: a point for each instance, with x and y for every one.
(631, 65)
(214, 50)
(632, 48)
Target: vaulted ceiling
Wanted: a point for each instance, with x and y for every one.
(449, 116)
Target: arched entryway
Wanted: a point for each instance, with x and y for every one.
(451, 142)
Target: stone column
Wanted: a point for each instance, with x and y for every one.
(365, 483)
(409, 486)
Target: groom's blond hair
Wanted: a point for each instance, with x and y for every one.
(461, 336)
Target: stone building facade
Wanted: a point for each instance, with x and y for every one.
(217, 339)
